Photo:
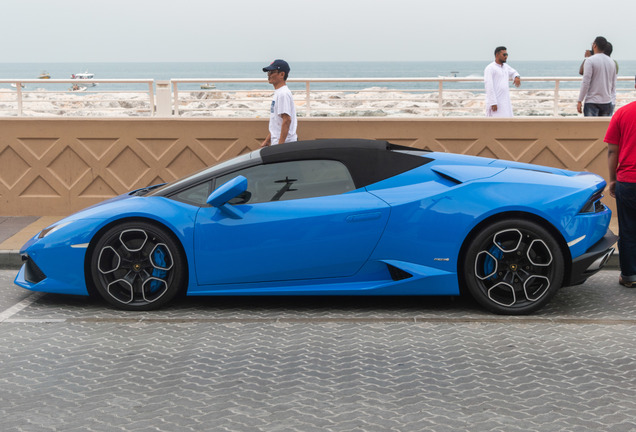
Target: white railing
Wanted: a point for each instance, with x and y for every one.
(441, 97)
(314, 97)
(77, 97)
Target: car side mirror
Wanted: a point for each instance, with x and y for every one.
(242, 198)
(221, 196)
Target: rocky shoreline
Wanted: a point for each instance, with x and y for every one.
(370, 102)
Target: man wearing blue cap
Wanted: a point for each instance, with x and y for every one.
(282, 114)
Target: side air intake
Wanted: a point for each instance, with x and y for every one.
(32, 273)
(398, 274)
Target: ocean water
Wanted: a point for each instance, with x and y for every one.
(209, 71)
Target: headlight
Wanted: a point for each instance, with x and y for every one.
(52, 229)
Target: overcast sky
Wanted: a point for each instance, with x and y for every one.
(310, 30)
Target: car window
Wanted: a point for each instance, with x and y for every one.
(196, 195)
(292, 180)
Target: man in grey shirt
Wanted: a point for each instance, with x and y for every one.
(598, 88)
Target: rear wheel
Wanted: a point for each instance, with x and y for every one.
(137, 266)
(513, 267)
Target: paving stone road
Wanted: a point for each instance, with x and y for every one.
(319, 364)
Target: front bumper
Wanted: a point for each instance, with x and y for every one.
(592, 260)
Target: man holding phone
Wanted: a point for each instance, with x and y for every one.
(598, 87)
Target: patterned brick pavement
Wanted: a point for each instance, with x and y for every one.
(334, 364)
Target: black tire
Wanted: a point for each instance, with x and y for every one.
(513, 267)
(137, 266)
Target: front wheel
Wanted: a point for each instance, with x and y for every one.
(513, 267)
(137, 266)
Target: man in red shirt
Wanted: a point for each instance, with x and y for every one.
(621, 161)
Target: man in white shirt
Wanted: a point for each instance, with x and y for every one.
(282, 115)
(497, 76)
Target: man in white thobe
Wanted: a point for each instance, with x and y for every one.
(497, 76)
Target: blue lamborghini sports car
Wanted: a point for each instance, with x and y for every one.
(335, 217)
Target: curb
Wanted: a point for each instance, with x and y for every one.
(10, 260)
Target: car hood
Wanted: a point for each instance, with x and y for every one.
(96, 209)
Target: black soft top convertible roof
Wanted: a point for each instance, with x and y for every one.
(368, 161)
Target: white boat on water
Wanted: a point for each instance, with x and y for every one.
(85, 76)
(453, 74)
(15, 86)
(208, 86)
(77, 88)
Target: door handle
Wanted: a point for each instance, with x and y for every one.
(361, 217)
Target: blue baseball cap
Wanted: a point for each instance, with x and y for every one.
(278, 64)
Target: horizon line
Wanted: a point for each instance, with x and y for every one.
(296, 61)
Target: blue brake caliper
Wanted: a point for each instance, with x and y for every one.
(489, 264)
(159, 259)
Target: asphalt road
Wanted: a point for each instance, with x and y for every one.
(319, 364)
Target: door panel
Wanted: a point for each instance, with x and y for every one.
(322, 237)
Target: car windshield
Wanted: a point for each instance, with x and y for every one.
(207, 172)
